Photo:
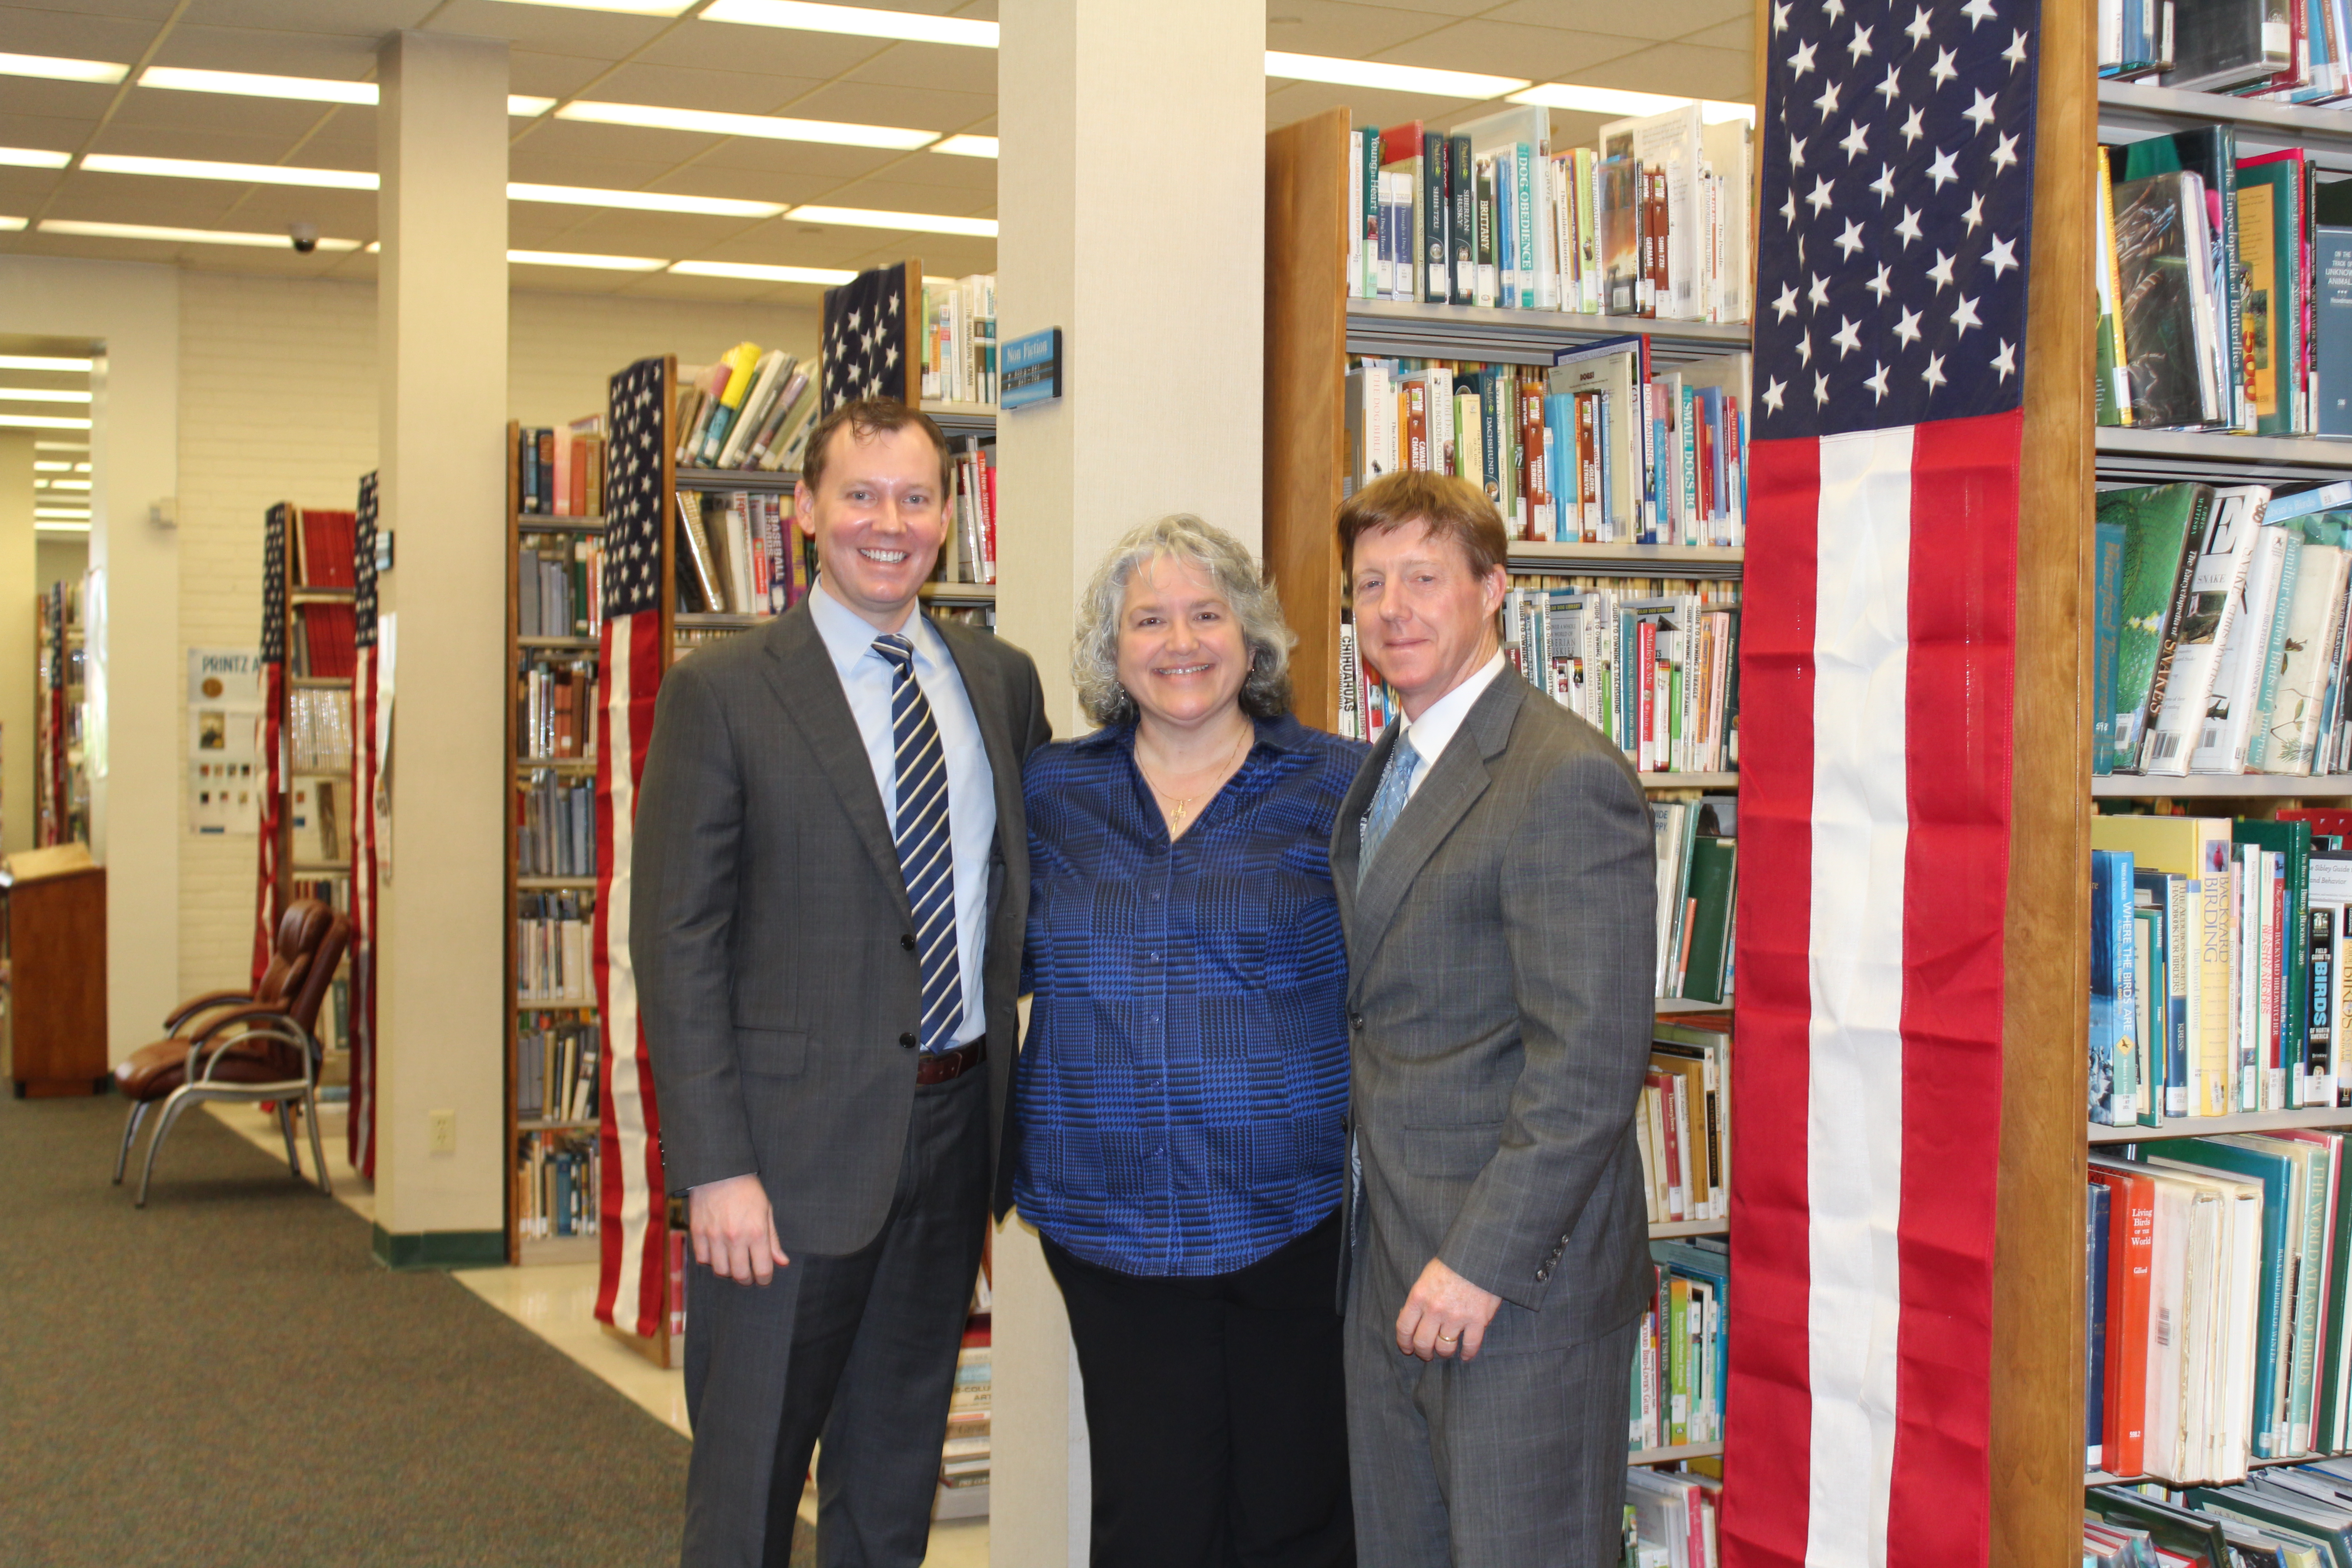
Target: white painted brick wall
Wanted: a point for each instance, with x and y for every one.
(277, 399)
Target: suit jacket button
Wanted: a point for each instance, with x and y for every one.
(1542, 1275)
(1355, 1020)
(907, 940)
(909, 1041)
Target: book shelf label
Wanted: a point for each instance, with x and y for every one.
(1032, 369)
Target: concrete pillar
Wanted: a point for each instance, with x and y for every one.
(1146, 247)
(17, 588)
(441, 351)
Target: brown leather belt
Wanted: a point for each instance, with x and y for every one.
(945, 1067)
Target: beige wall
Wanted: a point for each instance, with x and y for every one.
(19, 577)
(278, 403)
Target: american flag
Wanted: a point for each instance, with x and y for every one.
(362, 957)
(865, 339)
(276, 542)
(631, 1288)
(1880, 609)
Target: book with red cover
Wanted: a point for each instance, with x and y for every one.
(327, 543)
(2131, 1255)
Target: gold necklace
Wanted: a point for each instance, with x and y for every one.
(1184, 802)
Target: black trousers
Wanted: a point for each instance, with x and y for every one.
(1215, 1410)
(861, 1349)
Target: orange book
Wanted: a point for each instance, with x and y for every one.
(2131, 1256)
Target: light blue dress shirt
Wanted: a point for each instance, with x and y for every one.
(866, 681)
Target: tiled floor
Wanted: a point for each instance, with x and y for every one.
(558, 1303)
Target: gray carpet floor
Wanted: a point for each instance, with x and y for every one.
(228, 1378)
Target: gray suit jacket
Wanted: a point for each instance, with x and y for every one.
(1499, 1001)
(769, 916)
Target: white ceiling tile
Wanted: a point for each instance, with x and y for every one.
(869, 105)
(728, 92)
(1736, 33)
(357, 18)
(1436, 12)
(65, 103)
(774, 51)
(1504, 48)
(1685, 70)
(801, 159)
(153, 117)
(1650, 19)
(90, 31)
(549, 29)
(151, 11)
(551, 75)
(1285, 102)
(940, 65)
(939, 173)
(1342, 28)
(343, 57)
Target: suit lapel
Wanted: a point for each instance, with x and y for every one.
(985, 691)
(1454, 783)
(800, 672)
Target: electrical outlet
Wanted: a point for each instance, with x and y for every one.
(442, 1138)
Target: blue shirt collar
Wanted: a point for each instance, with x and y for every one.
(849, 637)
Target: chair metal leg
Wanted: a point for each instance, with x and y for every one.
(179, 1101)
(286, 1130)
(130, 1136)
(317, 1157)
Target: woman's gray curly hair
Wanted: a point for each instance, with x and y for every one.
(1094, 651)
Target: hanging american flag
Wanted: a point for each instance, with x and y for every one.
(276, 542)
(1880, 609)
(631, 1286)
(361, 958)
(865, 337)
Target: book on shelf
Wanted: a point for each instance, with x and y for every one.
(555, 709)
(964, 1454)
(552, 947)
(561, 469)
(958, 339)
(1670, 1518)
(2134, 38)
(740, 553)
(555, 1066)
(559, 589)
(1684, 1125)
(970, 553)
(317, 731)
(1652, 221)
(555, 825)
(754, 410)
(1680, 1352)
(317, 814)
(557, 1180)
(1603, 448)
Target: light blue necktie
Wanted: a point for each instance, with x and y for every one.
(1396, 785)
(925, 853)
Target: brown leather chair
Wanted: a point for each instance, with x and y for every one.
(254, 1046)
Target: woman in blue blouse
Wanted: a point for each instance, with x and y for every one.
(1177, 1108)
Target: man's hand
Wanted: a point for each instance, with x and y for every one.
(1445, 1315)
(735, 1230)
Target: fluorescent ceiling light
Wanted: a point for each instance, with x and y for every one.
(1597, 100)
(525, 106)
(42, 422)
(643, 201)
(627, 8)
(573, 258)
(40, 527)
(33, 158)
(44, 362)
(10, 225)
(1715, 112)
(42, 394)
(776, 127)
(52, 468)
(181, 236)
(828, 275)
(249, 173)
(967, 146)
(61, 446)
(868, 217)
(1396, 79)
(911, 26)
(57, 69)
(65, 484)
(252, 84)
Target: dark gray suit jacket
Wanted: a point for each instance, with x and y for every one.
(767, 918)
(1499, 1004)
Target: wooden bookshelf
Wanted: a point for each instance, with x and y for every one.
(1675, 1455)
(2222, 787)
(2213, 1126)
(60, 787)
(298, 691)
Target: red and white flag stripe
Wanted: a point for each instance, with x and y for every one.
(1879, 609)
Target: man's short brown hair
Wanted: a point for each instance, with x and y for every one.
(1453, 508)
(867, 418)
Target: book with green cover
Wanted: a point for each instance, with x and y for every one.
(2209, 152)
(2291, 841)
(1712, 872)
(2107, 583)
(2164, 530)
(2317, 1159)
(2270, 219)
(2176, 1530)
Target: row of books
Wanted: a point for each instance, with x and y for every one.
(1670, 1518)
(2292, 51)
(1684, 1126)
(557, 1180)
(2217, 954)
(2215, 308)
(552, 938)
(325, 644)
(1697, 876)
(980, 616)
(958, 341)
(750, 410)
(1682, 1355)
(741, 554)
(317, 731)
(1602, 448)
(561, 469)
(2221, 641)
(2216, 1333)
(964, 1456)
(559, 589)
(1659, 675)
(970, 554)
(318, 820)
(2290, 1516)
(555, 1068)
(555, 709)
(555, 825)
(1651, 221)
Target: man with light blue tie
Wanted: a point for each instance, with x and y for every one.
(1494, 869)
(831, 879)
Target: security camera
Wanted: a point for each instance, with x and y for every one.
(305, 236)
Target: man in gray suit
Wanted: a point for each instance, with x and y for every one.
(831, 879)
(1493, 867)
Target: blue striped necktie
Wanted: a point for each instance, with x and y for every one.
(1388, 802)
(925, 853)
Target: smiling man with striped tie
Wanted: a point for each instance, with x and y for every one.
(831, 879)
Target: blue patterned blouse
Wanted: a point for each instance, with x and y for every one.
(1177, 1109)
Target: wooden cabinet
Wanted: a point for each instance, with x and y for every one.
(53, 970)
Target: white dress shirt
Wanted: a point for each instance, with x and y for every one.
(1433, 730)
(866, 678)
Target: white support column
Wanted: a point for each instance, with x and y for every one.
(442, 353)
(1147, 248)
(17, 586)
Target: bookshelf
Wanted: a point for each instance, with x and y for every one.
(1313, 329)
(553, 1036)
(60, 787)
